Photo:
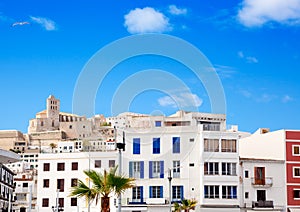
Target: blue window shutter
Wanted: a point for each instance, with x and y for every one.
(136, 146)
(234, 192)
(158, 146)
(161, 195)
(162, 169)
(150, 191)
(181, 193)
(142, 193)
(130, 169)
(150, 169)
(176, 144)
(142, 170)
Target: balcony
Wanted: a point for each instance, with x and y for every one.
(263, 183)
(211, 127)
(262, 204)
(156, 201)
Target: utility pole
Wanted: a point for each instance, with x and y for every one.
(170, 190)
(120, 147)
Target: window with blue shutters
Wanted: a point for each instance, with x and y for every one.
(137, 194)
(156, 192)
(177, 193)
(176, 144)
(136, 169)
(156, 145)
(156, 169)
(136, 146)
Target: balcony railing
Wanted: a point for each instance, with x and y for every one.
(262, 204)
(211, 127)
(265, 182)
(135, 201)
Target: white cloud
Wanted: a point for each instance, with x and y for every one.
(225, 71)
(177, 11)
(181, 100)
(46, 23)
(286, 99)
(248, 59)
(259, 12)
(146, 20)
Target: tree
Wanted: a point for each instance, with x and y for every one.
(103, 186)
(186, 205)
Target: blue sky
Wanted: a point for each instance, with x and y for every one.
(253, 45)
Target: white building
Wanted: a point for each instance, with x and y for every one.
(61, 171)
(6, 179)
(262, 184)
(201, 153)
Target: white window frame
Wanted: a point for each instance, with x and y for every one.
(212, 196)
(176, 193)
(296, 189)
(155, 192)
(293, 150)
(156, 169)
(231, 169)
(136, 169)
(136, 193)
(296, 167)
(176, 168)
(213, 167)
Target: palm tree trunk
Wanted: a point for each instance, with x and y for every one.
(105, 204)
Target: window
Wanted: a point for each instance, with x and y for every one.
(156, 192)
(156, 145)
(192, 139)
(46, 167)
(60, 166)
(211, 168)
(137, 194)
(70, 127)
(136, 169)
(211, 192)
(61, 202)
(73, 201)
(46, 183)
(74, 166)
(111, 163)
(45, 202)
(176, 169)
(211, 145)
(229, 192)
(228, 145)
(25, 185)
(156, 169)
(176, 144)
(296, 194)
(177, 193)
(296, 150)
(61, 185)
(229, 169)
(246, 174)
(136, 146)
(259, 177)
(157, 123)
(74, 182)
(97, 163)
(246, 195)
(296, 172)
(191, 164)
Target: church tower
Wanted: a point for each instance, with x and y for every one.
(53, 108)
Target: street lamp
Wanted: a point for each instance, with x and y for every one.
(170, 190)
(121, 147)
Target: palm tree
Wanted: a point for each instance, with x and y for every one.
(186, 205)
(52, 145)
(103, 186)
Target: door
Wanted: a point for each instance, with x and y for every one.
(261, 195)
(259, 175)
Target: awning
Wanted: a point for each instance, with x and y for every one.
(294, 209)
